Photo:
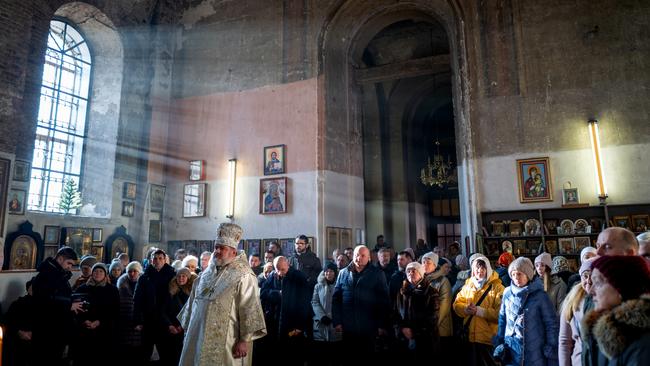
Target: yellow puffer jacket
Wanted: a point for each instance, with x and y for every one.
(485, 322)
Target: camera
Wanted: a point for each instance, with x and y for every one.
(77, 297)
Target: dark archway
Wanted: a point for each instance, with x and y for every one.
(343, 60)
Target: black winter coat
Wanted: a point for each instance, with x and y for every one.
(287, 303)
(360, 301)
(151, 296)
(52, 301)
(418, 308)
(127, 335)
(307, 263)
(104, 305)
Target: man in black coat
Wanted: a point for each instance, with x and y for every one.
(305, 261)
(54, 307)
(360, 306)
(286, 300)
(151, 295)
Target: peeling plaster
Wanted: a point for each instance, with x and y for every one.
(196, 14)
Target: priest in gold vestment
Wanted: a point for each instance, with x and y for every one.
(223, 315)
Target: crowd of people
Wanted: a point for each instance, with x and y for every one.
(363, 306)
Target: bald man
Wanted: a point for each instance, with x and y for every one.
(617, 241)
(360, 307)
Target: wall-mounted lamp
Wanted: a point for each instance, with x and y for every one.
(232, 169)
(594, 137)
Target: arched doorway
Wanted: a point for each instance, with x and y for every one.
(362, 70)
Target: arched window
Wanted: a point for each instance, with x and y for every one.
(62, 116)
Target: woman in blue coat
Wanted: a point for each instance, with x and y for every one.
(528, 325)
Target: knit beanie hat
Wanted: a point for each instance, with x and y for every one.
(183, 270)
(433, 257)
(417, 266)
(560, 264)
(585, 251)
(332, 266)
(87, 260)
(505, 259)
(442, 261)
(101, 266)
(115, 264)
(629, 275)
(523, 265)
(586, 265)
(546, 259)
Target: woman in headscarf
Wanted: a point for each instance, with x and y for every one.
(480, 321)
(620, 322)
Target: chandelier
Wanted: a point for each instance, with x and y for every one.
(439, 173)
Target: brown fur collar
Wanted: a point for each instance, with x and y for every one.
(187, 288)
(619, 327)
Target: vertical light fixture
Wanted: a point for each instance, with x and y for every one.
(232, 169)
(594, 137)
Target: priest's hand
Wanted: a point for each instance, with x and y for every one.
(240, 349)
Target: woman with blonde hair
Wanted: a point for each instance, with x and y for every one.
(571, 314)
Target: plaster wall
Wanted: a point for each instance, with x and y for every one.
(567, 64)
(624, 167)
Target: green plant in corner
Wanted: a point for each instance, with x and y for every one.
(70, 197)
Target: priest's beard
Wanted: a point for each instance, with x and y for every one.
(222, 262)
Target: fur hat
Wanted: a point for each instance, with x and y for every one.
(523, 265)
(134, 266)
(417, 266)
(629, 275)
(546, 259)
(585, 251)
(505, 259)
(229, 235)
(431, 256)
(101, 266)
(87, 260)
(560, 264)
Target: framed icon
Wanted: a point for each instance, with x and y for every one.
(22, 170)
(194, 200)
(51, 234)
(274, 160)
(534, 180)
(197, 170)
(17, 201)
(570, 196)
(156, 197)
(129, 190)
(98, 234)
(155, 231)
(273, 195)
(128, 208)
